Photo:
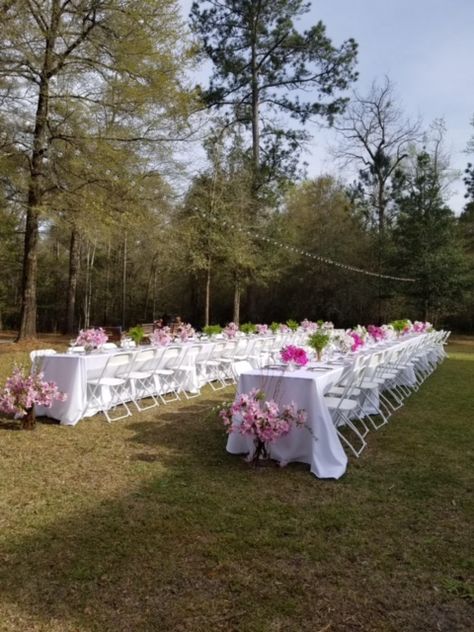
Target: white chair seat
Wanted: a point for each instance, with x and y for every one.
(345, 405)
(107, 381)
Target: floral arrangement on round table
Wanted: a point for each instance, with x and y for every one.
(91, 338)
(294, 356)
(21, 392)
(262, 420)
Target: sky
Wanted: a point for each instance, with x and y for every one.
(425, 47)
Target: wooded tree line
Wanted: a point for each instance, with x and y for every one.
(98, 107)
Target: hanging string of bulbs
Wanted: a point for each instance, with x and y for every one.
(326, 260)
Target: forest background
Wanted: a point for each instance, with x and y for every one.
(99, 107)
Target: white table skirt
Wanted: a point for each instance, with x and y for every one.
(70, 372)
(318, 444)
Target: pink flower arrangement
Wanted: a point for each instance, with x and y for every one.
(309, 326)
(161, 337)
(230, 330)
(358, 341)
(185, 331)
(421, 327)
(264, 420)
(261, 330)
(91, 338)
(297, 355)
(376, 333)
(284, 329)
(21, 392)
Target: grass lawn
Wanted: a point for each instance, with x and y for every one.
(148, 524)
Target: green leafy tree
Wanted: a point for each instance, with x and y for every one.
(427, 243)
(124, 61)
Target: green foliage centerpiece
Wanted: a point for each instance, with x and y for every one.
(318, 341)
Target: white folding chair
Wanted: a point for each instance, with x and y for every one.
(164, 372)
(109, 390)
(342, 408)
(141, 377)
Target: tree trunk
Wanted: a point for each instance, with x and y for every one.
(74, 265)
(124, 282)
(255, 105)
(90, 256)
(28, 422)
(236, 316)
(35, 191)
(207, 300)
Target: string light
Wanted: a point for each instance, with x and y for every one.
(320, 258)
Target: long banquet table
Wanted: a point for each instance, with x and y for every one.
(317, 444)
(70, 372)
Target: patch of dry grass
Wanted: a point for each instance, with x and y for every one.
(149, 524)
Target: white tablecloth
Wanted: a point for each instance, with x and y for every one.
(318, 445)
(69, 371)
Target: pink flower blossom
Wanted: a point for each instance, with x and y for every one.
(230, 330)
(91, 338)
(358, 340)
(22, 392)
(294, 354)
(264, 420)
(161, 337)
(261, 329)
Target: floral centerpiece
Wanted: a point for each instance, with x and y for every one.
(161, 337)
(292, 324)
(274, 327)
(389, 332)
(184, 332)
(231, 330)
(376, 333)
(262, 420)
(21, 392)
(319, 341)
(91, 338)
(283, 328)
(212, 330)
(420, 327)
(401, 326)
(309, 326)
(294, 356)
(358, 340)
(248, 328)
(261, 330)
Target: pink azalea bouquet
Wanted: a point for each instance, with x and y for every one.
(376, 333)
(185, 331)
(161, 337)
(261, 330)
(294, 354)
(358, 341)
(420, 327)
(21, 392)
(309, 326)
(230, 330)
(265, 421)
(91, 338)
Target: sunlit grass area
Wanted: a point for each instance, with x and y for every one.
(148, 524)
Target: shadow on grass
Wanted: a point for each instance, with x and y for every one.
(208, 543)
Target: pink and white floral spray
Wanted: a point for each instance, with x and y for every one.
(91, 338)
(230, 330)
(161, 337)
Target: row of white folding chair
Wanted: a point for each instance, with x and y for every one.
(373, 379)
(344, 404)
